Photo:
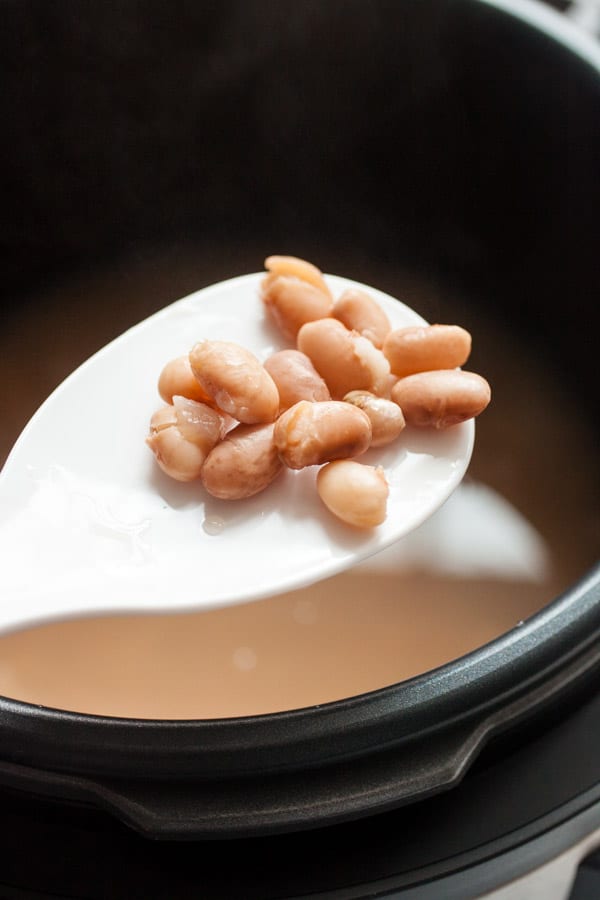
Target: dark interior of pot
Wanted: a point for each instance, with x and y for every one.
(430, 149)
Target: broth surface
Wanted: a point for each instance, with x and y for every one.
(342, 637)
(520, 529)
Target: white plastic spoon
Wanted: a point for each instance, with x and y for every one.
(89, 524)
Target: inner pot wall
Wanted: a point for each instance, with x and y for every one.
(448, 179)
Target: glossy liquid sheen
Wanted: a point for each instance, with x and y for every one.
(340, 638)
(514, 536)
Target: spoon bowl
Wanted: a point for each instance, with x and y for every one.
(89, 524)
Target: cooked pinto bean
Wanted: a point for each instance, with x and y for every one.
(441, 398)
(355, 493)
(297, 268)
(243, 464)
(358, 311)
(385, 416)
(182, 435)
(345, 359)
(290, 303)
(309, 434)
(422, 348)
(236, 381)
(296, 378)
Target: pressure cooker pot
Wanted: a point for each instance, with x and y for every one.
(428, 724)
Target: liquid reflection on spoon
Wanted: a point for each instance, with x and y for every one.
(214, 524)
(477, 533)
(473, 571)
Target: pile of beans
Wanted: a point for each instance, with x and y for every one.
(351, 383)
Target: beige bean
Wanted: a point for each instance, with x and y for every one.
(355, 493)
(296, 378)
(385, 416)
(298, 268)
(359, 312)
(441, 398)
(290, 303)
(200, 423)
(178, 458)
(310, 434)
(346, 360)
(422, 348)
(177, 379)
(163, 418)
(243, 464)
(236, 381)
(181, 436)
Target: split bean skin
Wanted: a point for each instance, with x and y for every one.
(355, 493)
(346, 360)
(296, 378)
(243, 464)
(200, 423)
(441, 398)
(387, 420)
(290, 303)
(297, 268)
(181, 436)
(177, 379)
(358, 311)
(236, 381)
(422, 348)
(310, 434)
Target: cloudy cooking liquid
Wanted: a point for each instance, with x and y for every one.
(467, 580)
(343, 637)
